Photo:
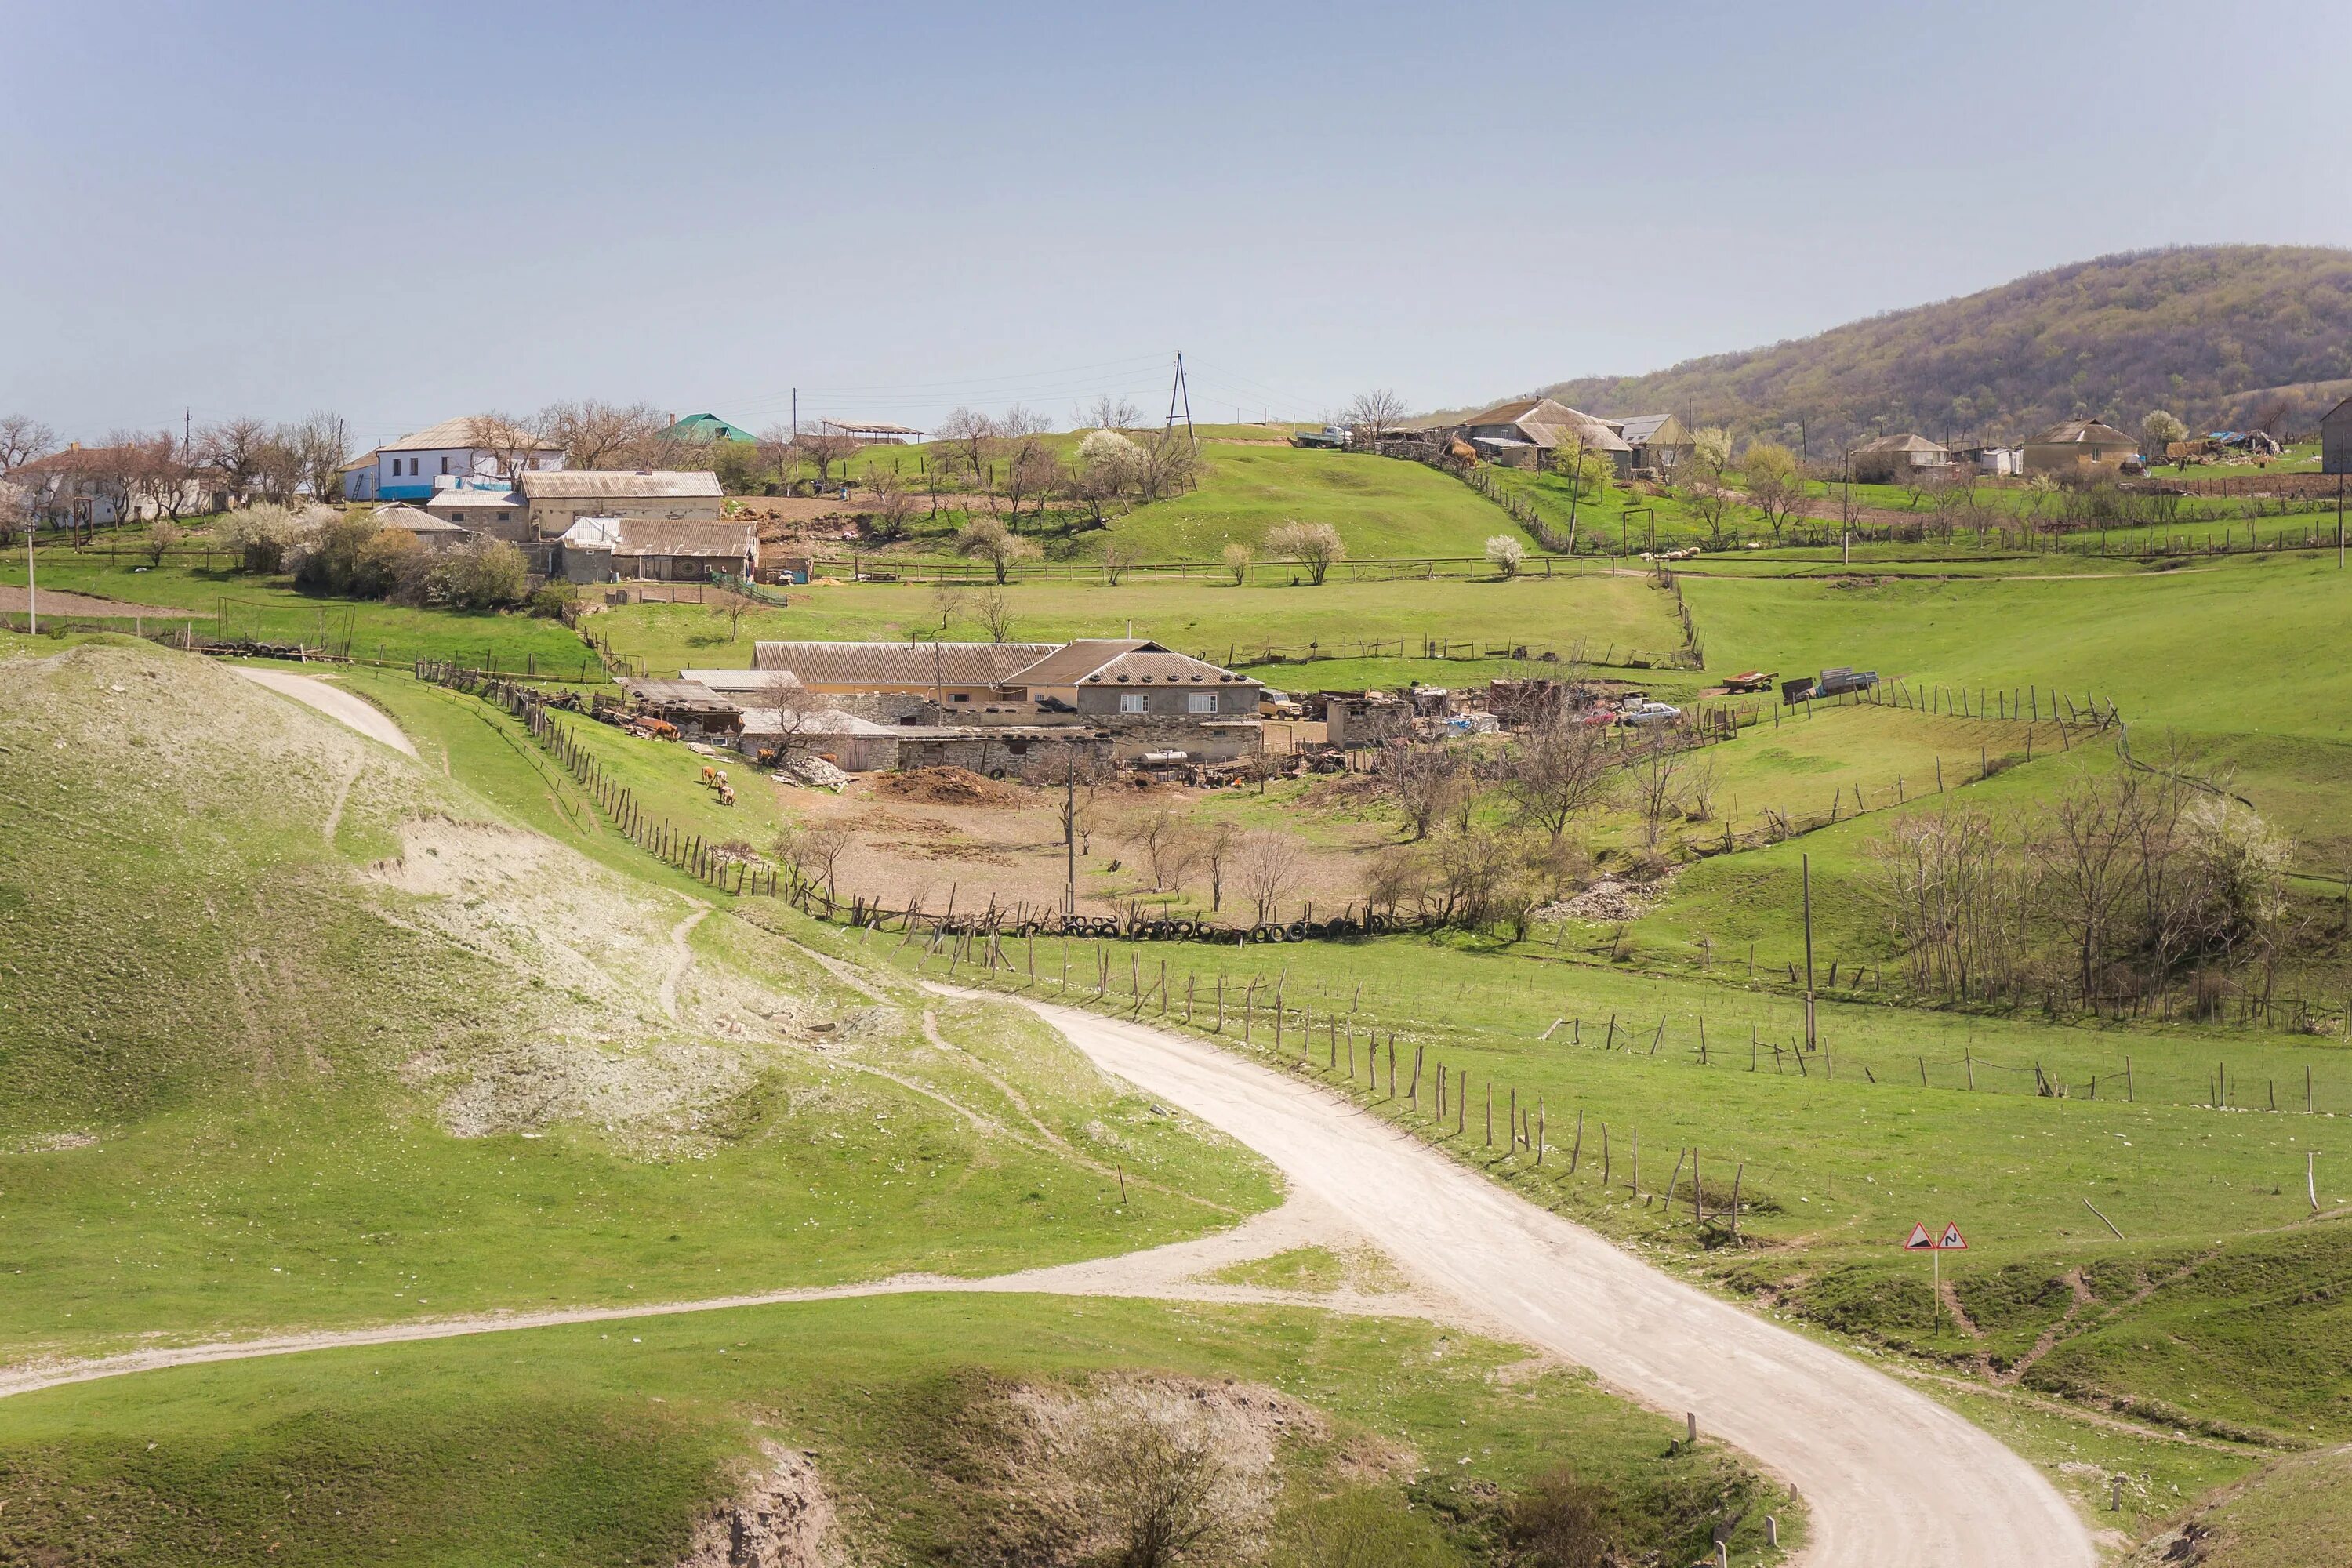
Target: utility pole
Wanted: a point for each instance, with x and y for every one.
(1845, 522)
(1179, 390)
(32, 582)
(1070, 831)
(2339, 522)
(1805, 865)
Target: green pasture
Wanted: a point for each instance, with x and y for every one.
(604, 1443)
(1609, 616)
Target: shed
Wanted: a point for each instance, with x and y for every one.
(1889, 459)
(685, 703)
(431, 532)
(2336, 439)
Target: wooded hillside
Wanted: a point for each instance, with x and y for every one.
(2221, 335)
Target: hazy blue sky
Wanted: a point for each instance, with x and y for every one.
(407, 212)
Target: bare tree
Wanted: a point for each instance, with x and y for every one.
(994, 609)
(1118, 554)
(894, 508)
(1424, 782)
(971, 437)
(1108, 412)
(1031, 472)
(22, 439)
(232, 450)
(1393, 874)
(1373, 414)
(1649, 780)
(1167, 842)
(510, 442)
(1164, 1485)
(1219, 839)
(598, 434)
(1237, 557)
(1557, 772)
(822, 448)
(279, 468)
(814, 852)
(318, 445)
(1313, 545)
(1171, 464)
(1266, 867)
(947, 604)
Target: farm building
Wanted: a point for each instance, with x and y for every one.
(554, 500)
(1887, 459)
(959, 673)
(689, 704)
(1519, 433)
(497, 512)
(455, 451)
(1659, 441)
(1989, 460)
(639, 549)
(1149, 698)
(431, 532)
(2336, 439)
(1366, 721)
(874, 433)
(2079, 448)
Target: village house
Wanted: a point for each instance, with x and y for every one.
(99, 485)
(1522, 433)
(1152, 698)
(1890, 460)
(431, 532)
(2080, 449)
(555, 500)
(454, 452)
(1658, 442)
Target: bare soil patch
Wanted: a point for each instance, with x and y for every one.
(950, 786)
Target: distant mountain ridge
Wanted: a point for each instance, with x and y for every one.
(2221, 335)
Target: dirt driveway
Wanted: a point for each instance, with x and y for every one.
(333, 702)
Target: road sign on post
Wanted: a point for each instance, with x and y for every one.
(1934, 1246)
(1951, 1240)
(1919, 1240)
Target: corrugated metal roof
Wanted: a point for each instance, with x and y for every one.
(742, 680)
(1907, 443)
(1638, 429)
(2084, 432)
(1119, 661)
(575, 484)
(414, 520)
(593, 534)
(664, 536)
(456, 499)
(880, 664)
(455, 435)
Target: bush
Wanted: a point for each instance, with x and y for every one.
(554, 598)
(265, 536)
(352, 557)
(480, 574)
(1506, 554)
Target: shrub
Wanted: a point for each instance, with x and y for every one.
(1506, 553)
(480, 574)
(1313, 545)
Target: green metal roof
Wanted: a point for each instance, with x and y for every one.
(708, 428)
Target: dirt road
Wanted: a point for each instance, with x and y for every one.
(332, 700)
(1893, 1480)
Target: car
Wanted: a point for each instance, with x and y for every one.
(1651, 713)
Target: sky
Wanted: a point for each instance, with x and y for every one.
(406, 213)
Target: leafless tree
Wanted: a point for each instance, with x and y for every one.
(1017, 422)
(894, 508)
(232, 450)
(278, 468)
(1166, 841)
(814, 852)
(1373, 414)
(1557, 772)
(1701, 779)
(22, 439)
(1424, 781)
(512, 444)
(1481, 879)
(319, 444)
(1108, 412)
(1169, 465)
(1118, 554)
(971, 437)
(1237, 558)
(1649, 780)
(1031, 473)
(1164, 1486)
(1394, 874)
(599, 435)
(994, 611)
(730, 607)
(1266, 866)
(947, 604)
(1219, 839)
(990, 540)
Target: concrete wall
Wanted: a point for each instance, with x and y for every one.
(553, 516)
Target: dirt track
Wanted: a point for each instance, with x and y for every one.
(1893, 1480)
(333, 702)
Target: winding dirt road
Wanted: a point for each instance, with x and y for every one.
(1893, 1480)
(333, 702)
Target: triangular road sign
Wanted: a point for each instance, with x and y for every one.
(1951, 1240)
(1920, 1241)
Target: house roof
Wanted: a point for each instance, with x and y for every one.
(593, 534)
(2084, 432)
(452, 435)
(740, 680)
(1907, 443)
(706, 428)
(1639, 430)
(364, 460)
(880, 664)
(1547, 422)
(578, 484)
(1120, 661)
(663, 536)
(414, 520)
(819, 721)
(459, 498)
(869, 428)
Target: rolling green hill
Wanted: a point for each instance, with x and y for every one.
(2217, 334)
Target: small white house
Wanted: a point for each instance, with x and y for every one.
(452, 452)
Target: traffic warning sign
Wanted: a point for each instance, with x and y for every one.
(1920, 1241)
(1951, 1240)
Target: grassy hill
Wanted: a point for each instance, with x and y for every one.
(2214, 333)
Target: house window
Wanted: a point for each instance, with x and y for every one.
(445, 462)
(1200, 702)
(959, 696)
(1135, 702)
